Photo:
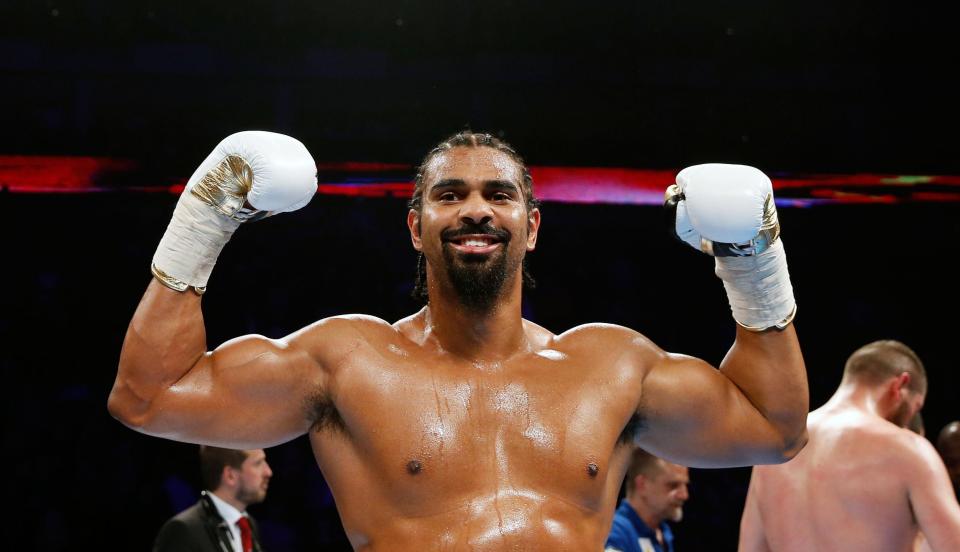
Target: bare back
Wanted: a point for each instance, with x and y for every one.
(848, 489)
(425, 451)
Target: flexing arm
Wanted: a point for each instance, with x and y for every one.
(249, 392)
(750, 411)
(753, 409)
(932, 499)
(752, 537)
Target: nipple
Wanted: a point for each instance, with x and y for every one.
(414, 467)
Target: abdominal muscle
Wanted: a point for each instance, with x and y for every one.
(509, 519)
(507, 498)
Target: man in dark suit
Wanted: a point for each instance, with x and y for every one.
(218, 522)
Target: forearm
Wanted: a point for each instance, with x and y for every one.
(767, 367)
(728, 211)
(735, 207)
(164, 340)
(248, 175)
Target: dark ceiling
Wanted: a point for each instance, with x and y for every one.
(836, 87)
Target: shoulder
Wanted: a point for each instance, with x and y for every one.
(181, 530)
(616, 351)
(873, 436)
(333, 337)
(918, 450)
(191, 516)
(914, 461)
(347, 324)
(599, 335)
(899, 441)
(619, 346)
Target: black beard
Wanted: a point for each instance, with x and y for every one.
(478, 279)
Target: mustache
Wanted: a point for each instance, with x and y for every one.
(470, 229)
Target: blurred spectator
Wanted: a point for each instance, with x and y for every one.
(655, 493)
(219, 522)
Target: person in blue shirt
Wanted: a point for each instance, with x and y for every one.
(655, 493)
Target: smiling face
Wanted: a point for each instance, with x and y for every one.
(473, 225)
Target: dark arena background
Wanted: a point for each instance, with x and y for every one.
(108, 107)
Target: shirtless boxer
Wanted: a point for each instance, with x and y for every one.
(863, 482)
(464, 426)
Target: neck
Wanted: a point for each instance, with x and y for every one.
(229, 497)
(651, 519)
(491, 334)
(865, 398)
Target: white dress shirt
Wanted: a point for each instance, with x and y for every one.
(229, 515)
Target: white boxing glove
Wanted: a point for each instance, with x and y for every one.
(728, 211)
(248, 176)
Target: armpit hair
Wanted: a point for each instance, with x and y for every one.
(322, 412)
(632, 430)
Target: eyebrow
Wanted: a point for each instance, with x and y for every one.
(448, 183)
(504, 185)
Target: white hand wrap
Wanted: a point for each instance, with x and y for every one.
(248, 176)
(758, 288)
(190, 246)
(728, 211)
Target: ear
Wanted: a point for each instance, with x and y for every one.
(639, 482)
(533, 226)
(228, 477)
(413, 224)
(902, 381)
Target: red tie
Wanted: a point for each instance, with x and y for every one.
(246, 537)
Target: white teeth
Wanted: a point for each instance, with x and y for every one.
(475, 243)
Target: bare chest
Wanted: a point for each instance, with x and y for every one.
(538, 422)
